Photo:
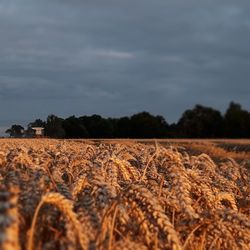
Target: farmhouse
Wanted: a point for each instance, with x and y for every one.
(38, 131)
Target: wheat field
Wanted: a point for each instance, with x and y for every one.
(59, 194)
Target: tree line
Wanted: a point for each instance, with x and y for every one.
(199, 122)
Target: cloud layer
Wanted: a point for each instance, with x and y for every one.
(119, 57)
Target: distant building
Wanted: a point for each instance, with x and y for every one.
(38, 131)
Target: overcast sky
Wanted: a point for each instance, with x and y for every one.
(119, 57)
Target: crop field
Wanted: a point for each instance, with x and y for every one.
(124, 194)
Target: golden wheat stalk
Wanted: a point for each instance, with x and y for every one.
(79, 185)
(12, 231)
(122, 169)
(153, 211)
(228, 197)
(149, 162)
(66, 207)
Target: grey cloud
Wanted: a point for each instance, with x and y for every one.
(118, 57)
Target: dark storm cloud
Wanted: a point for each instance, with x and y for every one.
(118, 57)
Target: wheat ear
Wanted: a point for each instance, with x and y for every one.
(12, 231)
(66, 207)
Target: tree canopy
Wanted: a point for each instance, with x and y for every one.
(237, 121)
(16, 130)
(198, 122)
(201, 122)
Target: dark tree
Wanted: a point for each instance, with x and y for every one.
(145, 125)
(15, 131)
(37, 123)
(122, 127)
(200, 122)
(74, 128)
(97, 126)
(173, 131)
(54, 127)
(237, 122)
